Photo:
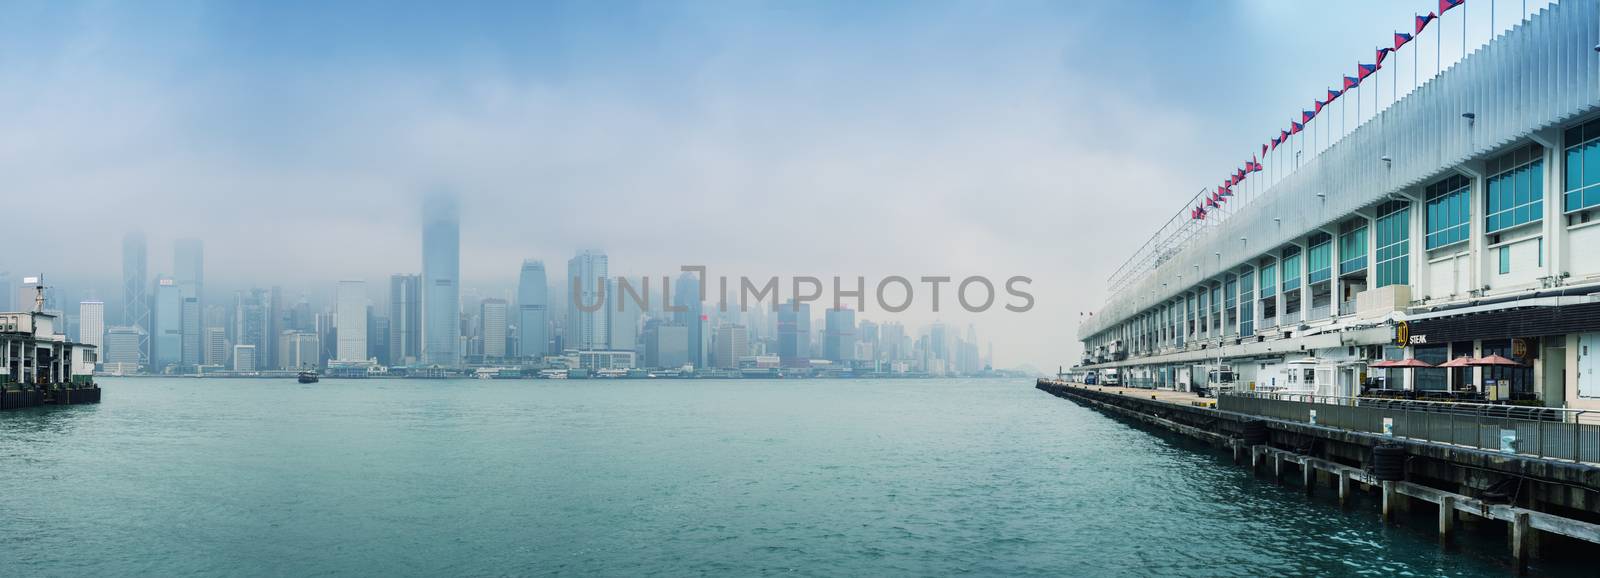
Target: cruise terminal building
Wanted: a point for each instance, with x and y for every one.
(1459, 227)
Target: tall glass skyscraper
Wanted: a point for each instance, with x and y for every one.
(441, 279)
(405, 319)
(167, 349)
(533, 304)
(686, 295)
(587, 330)
(135, 304)
(188, 266)
(351, 320)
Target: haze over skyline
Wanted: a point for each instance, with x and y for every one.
(756, 139)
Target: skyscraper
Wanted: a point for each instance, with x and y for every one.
(135, 304)
(92, 324)
(189, 320)
(166, 348)
(188, 267)
(216, 346)
(492, 320)
(441, 280)
(405, 319)
(352, 321)
(686, 296)
(732, 343)
(839, 337)
(794, 333)
(624, 313)
(587, 329)
(533, 303)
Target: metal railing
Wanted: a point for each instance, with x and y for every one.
(1543, 432)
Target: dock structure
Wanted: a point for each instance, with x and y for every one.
(1538, 498)
(42, 367)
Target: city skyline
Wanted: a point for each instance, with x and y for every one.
(731, 138)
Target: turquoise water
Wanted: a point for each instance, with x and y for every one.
(180, 477)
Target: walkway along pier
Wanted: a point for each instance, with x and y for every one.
(1541, 499)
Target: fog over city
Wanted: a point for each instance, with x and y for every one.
(910, 139)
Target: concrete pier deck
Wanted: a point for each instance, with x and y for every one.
(1538, 498)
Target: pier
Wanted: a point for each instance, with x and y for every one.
(39, 367)
(1540, 498)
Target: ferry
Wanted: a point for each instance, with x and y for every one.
(309, 377)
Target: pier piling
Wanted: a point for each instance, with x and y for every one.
(1390, 501)
(1344, 490)
(1447, 518)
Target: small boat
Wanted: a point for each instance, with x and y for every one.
(308, 377)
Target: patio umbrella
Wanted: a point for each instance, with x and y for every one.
(1462, 361)
(1412, 363)
(1495, 360)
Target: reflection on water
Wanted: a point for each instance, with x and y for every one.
(894, 477)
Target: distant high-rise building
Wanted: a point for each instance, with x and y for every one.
(686, 296)
(533, 304)
(135, 303)
(192, 352)
(866, 340)
(405, 319)
(666, 345)
(839, 335)
(587, 329)
(794, 333)
(188, 270)
(216, 340)
(188, 267)
(625, 314)
(123, 351)
(939, 342)
(732, 343)
(891, 341)
(378, 337)
(92, 324)
(244, 358)
(166, 348)
(273, 314)
(441, 280)
(352, 321)
(250, 319)
(492, 324)
(301, 350)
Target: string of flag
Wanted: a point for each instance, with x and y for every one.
(1216, 199)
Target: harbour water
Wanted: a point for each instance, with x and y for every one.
(182, 477)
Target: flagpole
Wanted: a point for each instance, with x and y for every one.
(1414, 84)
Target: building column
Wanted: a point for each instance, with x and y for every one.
(1478, 240)
(1554, 226)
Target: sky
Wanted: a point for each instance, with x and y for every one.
(296, 139)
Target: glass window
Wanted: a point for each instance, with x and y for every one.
(1392, 262)
(1247, 306)
(1516, 189)
(1449, 215)
(1353, 249)
(1433, 378)
(1505, 259)
(1319, 259)
(1269, 280)
(1291, 269)
(1582, 187)
(1520, 378)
